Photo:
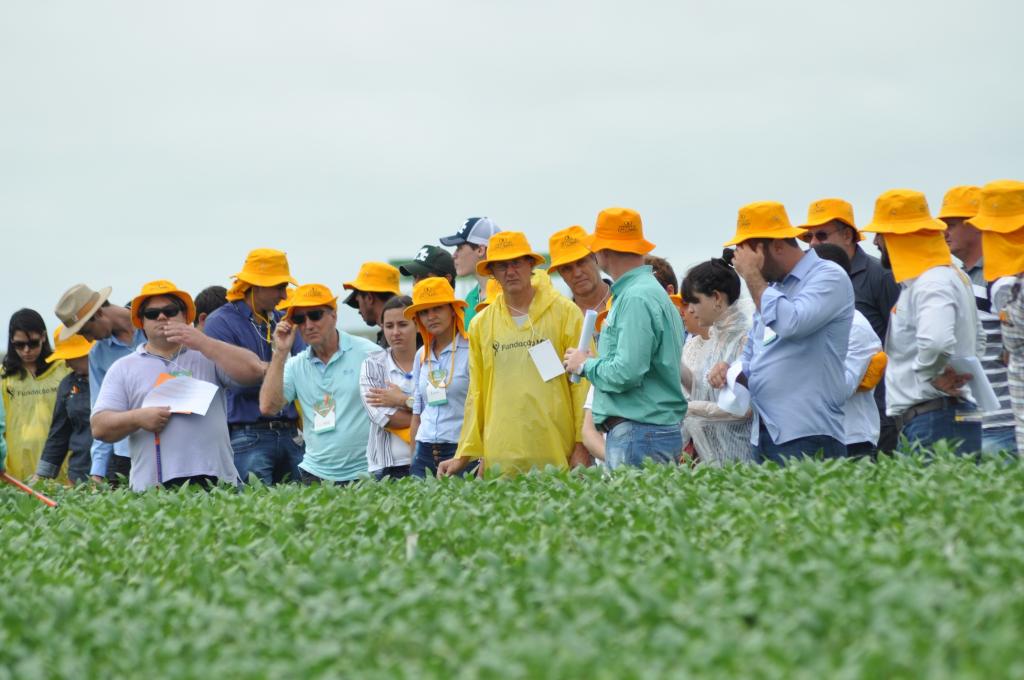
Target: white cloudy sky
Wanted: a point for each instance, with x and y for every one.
(143, 140)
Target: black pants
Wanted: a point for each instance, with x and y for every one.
(861, 450)
(118, 467)
(205, 482)
(309, 479)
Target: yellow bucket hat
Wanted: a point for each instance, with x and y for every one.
(262, 267)
(435, 291)
(507, 245)
(903, 211)
(825, 210)
(960, 201)
(1001, 221)
(567, 245)
(373, 277)
(74, 347)
(309, 295)
(763, 219)
(161, 287)
(492, 291)
(621, 230)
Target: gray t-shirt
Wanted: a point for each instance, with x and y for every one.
(190, 444)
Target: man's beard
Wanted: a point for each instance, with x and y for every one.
(886, 262)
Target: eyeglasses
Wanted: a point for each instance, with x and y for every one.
(820, 235)
(315, 315)
(153, 313)
(503, 266)
(22, 345)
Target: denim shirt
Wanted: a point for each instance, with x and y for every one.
(795, 354)
(441, 424)
(101, 357)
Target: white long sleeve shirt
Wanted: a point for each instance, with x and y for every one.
(935, 318)
(860, 413)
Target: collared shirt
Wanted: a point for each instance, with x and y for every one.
(934, 319)
(874, 290)
(384, 448)
(337, 454)
(795, 352)
(235, 324)
(69, 429)
(101, 357)
(190, 444)
(472, 300)
(861, 421)
(442, 424)
(992, 361)
(636, 372)
(1013, 338)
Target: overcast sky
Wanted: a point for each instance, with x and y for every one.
(143, 140)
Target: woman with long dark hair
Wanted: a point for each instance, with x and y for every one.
(29, 387)
(712, 292)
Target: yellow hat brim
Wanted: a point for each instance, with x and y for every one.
(789, 232)
(483, 267)
(412, 310)
(190, 306)
(638, 246)
(1001, 225)
(265, 281)
(906, 226)
(569, 258)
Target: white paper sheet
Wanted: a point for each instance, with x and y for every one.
(734, 398)
(586, 336)
(981, 388)
(546, 360)
(182, 395)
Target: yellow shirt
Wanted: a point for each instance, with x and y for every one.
(513, 418)
(28, 403)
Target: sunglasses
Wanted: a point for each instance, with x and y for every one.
(820, 235)
(22, 345)
(315, 315)
(153, 313)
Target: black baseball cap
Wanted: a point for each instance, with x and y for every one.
(430, 261)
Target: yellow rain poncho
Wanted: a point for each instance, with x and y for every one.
(28, 404)
(513, 418)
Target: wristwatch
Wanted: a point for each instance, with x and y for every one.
(409, 402)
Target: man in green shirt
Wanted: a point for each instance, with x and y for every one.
(638, 397)
(470, 248)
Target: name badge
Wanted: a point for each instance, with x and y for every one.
(323, 422)
(770, 336)
(436, 396)
(546, 360)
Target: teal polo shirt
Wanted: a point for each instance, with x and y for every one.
(338, 455)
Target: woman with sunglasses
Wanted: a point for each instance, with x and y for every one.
(386, 383)
(29, 387)
(440, 374)
(712, 292)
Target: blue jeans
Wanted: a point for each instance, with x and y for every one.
(632, 443)
(271, 455)
(999, 439)
(429, 456)
(946, 423)
(802, 447)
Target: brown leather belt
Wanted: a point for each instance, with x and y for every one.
(920, 409)
(610, 422)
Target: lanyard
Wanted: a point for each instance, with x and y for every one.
(451, 371)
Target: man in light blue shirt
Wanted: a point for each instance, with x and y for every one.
(87, 313)
(793, 362)
(325, 380)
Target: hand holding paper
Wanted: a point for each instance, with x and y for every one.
(182, 395)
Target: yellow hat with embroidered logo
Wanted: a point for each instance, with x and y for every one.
(431, 292)
(161, 287)
(960, 201)
(1001, 221)
(903, 211)
(310, 295)
(373, 277)
(567, 245)
(763, 219)
(263, 267)
(74, 347)
(621, 230)
(504, 246)
(825, 210)
(491, 292)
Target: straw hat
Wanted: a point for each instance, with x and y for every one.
(77, 305)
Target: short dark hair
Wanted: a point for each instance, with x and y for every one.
(209, 299)
(833, 253)
(710, 276)
(662, 271)
(380, 296)
(178, 302)
(396, 302)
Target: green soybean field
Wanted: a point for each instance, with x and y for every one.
(904, 568)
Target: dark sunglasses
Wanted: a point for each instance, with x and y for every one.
(21, 345)
(153, 313)
(821, 235)
(315, 315)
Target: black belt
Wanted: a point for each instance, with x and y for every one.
(263, 425)
(610, 422)
(920, 409)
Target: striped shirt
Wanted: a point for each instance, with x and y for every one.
(384, 449)
(992, 360)
(1013, 336)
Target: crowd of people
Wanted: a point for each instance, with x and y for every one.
(829, 352)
